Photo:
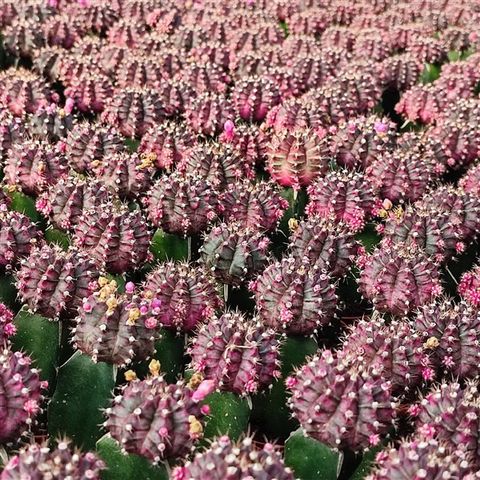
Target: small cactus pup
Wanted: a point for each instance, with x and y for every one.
(51, 122)
(36, 461)
(66, 201)
(234, 253)
(395, 348)
(422, 457)
(294, 297)
(243, 460)
(185, 295)
(34, 165)
(182, 204)
(7, 327)
(238, 354)
(451, 414)
(469, 287)
(344, 196)
(340, 404)
(115, 328)
(20, 394)
(296, 158)
(155, 419)
(89, 142)
(53, 282)
(329, 246)
(116, 239)
(399, 278)
(18, 235)
(255, 205)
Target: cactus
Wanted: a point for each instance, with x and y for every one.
(62, 462)
(12, 130)
(115, 238)
(204, 78)
(7, 327)
(421, 455)
(62, 31)
(91, 93)
(254, 205)
(51, 123)
(399, 278)
(296, 158)
(170, 409)
(450, 414)
(88, 142)
(18, 235)
(66, 201)
(293, 297)
(128, 175)
(469, 287)
(362, 140)
(254, 97)
(133, 111)
(181, 204)
(342, 405)
(186, 295)
(33, 165)
(53, 283)
(115, 328)
(327, 246)
(20, 394)
(23, 37)
(395, 348)
(234, 253)
(168, 142)
(236, 353)
(343, 196)
(449, 332)
(225, 459)
(400, 71)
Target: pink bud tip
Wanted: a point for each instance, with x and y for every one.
(31, 406)
(87, 307)
(179, 473)
(380, 127)
(156, 303)
(129, 287)
(69, 104)
(205, 409)
(229, 129)
(151, 323)
(10, 329)
(204, 389)
(290, 382)
(44, 384)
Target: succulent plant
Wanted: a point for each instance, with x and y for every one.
(23, 37)
(33, 165)
(225, 459)
(7, 327)
(51, 123)
(296, 158)
(114, 237)
(88, 142)
(170, 409)
(294, 297)
(469, 287)
(133, 111)
(18, 235)
(20, 394)
(328, 246)
(91, 93)
(186, 294)
(342, 196)
(400, 71)
(234, 253)
(399, 278)
(115, 328)
(420, 456)
(422, 103)
(168, 142)
(12, 129)
(39, 460)
(53, 282)
(340, 404)
(181, 204)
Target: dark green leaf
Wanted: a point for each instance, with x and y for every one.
(52, 235)
(126, 467)
(24, 204)
(165, 246)
(83, 389)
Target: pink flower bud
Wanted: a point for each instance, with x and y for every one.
(156, 303)
(69, 104)
(205, 409)
(151, 323)
(204, 389)
(129, 287)
(229, 129)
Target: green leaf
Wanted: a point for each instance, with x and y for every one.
(369, 238)
(229, 415)
(430, 73)
(169, 352)
(309, 459)
(39, 337)
(132, 144)
(368, 460)
(53, 235)
(8, 291)
(126, 467)
(294, 351)
(24, 204)
(83, 389)
(165, 246)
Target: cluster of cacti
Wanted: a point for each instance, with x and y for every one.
(221, 221)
